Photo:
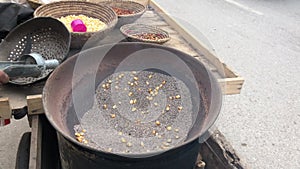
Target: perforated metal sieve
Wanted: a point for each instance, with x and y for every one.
(44, 35)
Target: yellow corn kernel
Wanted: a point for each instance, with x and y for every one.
(92, 24)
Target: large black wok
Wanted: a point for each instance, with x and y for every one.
(69, 91)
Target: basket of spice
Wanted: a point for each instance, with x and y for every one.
(144, 33)
(127, 11)
(85, 20)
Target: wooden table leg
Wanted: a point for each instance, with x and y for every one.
(36, 143)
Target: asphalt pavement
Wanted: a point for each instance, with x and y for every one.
(260, 40)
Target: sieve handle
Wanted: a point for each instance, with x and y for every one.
(4, 64)
(51, 64)
(19, 71)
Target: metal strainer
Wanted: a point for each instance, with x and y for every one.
(44, 35)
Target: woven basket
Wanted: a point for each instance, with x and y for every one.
(137, 9)
(131, 31)
(34, 3)
(64, 8)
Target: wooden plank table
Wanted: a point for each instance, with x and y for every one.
(14, 97)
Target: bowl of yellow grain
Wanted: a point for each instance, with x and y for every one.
(99, 19)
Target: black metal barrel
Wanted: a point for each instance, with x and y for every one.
(76, 157)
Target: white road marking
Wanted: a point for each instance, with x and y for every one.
(244, 7)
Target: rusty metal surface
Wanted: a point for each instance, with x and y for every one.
(59, 87)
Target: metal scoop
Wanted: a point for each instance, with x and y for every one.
(29, 65)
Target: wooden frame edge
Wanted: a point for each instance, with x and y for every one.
(35, 104)
(232, 83)
(5, 108)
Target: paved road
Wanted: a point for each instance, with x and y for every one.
(260, 39)
(9, 141)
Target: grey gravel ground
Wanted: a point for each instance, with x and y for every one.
(259, 39)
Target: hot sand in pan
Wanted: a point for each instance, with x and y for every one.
(137, 112)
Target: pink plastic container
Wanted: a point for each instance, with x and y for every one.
(78, 26)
